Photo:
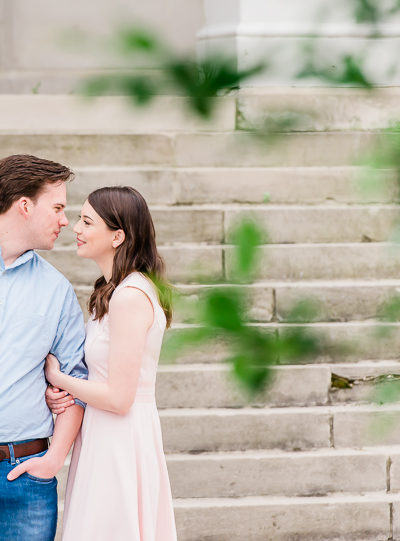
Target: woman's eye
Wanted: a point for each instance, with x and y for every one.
(85, 222)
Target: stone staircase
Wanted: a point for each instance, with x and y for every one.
(306, 461)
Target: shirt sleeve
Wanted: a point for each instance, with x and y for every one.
(68, 345)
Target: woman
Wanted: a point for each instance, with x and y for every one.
(118, 485)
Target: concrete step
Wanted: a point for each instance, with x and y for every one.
(211, 430)
(194, 263)
(62, 113)
(366, 380)
(340, 300)
(264, 473)
(319, 109)
(318, 224)
(200, 185)
(324, 261)
(349, 517)
(341, 426)
(213, 149)
(339, 342)
(272, 473)
(338, 518)
(186, 262)
(212, 224)
(212, 386)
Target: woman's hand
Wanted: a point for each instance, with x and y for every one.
(58, 401)
(52, 369)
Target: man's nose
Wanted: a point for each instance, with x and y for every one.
(63, 220)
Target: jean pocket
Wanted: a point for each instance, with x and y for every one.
(39, 479)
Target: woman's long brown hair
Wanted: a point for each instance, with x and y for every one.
(122, 207)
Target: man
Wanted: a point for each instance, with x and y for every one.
(39, 313)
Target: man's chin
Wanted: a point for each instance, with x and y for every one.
(45, 246)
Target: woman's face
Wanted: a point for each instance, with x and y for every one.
(94, 239)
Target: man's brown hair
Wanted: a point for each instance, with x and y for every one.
(24, 175)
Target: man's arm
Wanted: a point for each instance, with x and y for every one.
(66, 428)
(68, 344)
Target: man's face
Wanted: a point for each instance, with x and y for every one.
(48, 216)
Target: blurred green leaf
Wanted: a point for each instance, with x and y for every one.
(390, 310)
(348, 71)
(200, 81)
(267, 197)
(305, 310)
(134, 40)
(223, 309)
(297, 343)
(247, 237)
(253, 377)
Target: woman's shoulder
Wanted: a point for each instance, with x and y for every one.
(138, 280)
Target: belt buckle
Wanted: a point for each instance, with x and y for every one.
(2, 455)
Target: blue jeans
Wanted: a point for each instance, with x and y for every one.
(28, 505)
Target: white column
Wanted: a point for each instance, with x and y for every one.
(276, 31)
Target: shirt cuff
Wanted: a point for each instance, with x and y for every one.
(80, 403)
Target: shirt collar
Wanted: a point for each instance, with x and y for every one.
(21, 260)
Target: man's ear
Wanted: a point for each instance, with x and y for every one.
(24, 206)
(118, 238)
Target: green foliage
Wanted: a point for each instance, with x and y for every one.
(304, 310)
(35, 89)
(390, 310)
(247, 238)
(133, 40)
(348, 71)
(199, 81)
(374, 11)
(222, 316)
(382, 158)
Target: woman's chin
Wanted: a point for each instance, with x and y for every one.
(80, 251)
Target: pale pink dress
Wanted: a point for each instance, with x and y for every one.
(118, 487)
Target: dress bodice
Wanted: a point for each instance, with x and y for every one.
(98, 337)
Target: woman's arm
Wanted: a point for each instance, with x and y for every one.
(130, 317)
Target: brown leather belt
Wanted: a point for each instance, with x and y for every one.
(24, 449)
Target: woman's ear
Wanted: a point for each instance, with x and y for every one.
(118, 238)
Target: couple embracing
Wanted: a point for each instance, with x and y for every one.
(102, 387)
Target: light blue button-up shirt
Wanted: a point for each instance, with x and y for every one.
(39, 313)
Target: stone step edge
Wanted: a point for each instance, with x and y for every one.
(285, 246)
(274, 325)
(173, 133)
(255, 501)
(330, 409)
(112, 168)
(251, 454)
(374, 366)
(246, 207)
(389, 282)
(286, 500)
